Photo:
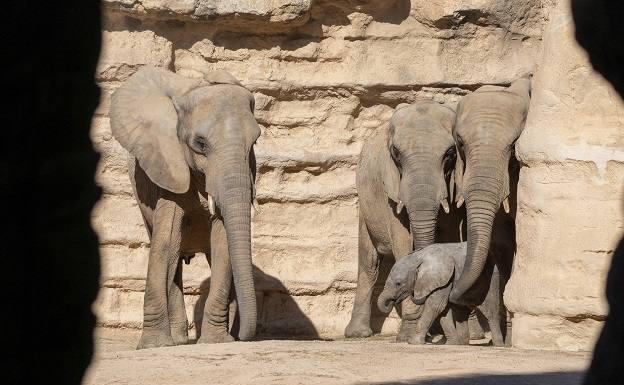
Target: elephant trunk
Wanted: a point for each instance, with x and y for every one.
(419, 300)
(234, 202)
(484, 192)
(423, 224)
(385, 302)
(422, 207)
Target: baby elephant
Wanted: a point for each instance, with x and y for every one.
(427, 276)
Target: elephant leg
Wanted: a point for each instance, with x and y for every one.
(164, 251)
(434, 305)
(494, 310)
(214, 328)
(497, 335)
(460, 316)
(448, 326)
(508, 327)
(474, 326)
(494, 321)
(409, 320)
(177, 311)
(410, 312)
(368, 270)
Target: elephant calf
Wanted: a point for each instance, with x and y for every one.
(427, 277)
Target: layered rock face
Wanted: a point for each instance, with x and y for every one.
(570, 214)
(326, 74)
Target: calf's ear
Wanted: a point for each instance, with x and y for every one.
(432, 275)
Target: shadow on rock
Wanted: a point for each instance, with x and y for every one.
(279, 316)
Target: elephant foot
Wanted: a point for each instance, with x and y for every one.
(454, 341)
(179, 334)
(214, 335)
(476, 331)
(408, 329)
(437, 339)
(215, 339)
(155, 339)
(418, 339)
(358, 329)
(477, 334)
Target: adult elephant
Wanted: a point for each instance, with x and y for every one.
(192, 168)
(407, 166)
(489, 121)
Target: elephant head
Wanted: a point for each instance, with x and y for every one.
(418, 163)
(417, 275)
(180, 130)
(489, 121)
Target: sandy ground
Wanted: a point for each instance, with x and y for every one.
(371, 361)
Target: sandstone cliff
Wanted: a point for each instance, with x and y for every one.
(325, 75)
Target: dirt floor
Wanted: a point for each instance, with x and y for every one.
(371, 361)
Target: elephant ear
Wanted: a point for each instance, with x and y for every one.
(433, 274)
(390, 177)
(221, 77)
(402, 105)
(451, 106)
(252, 167)
(522, 88)
(144, 121)
(457, 179)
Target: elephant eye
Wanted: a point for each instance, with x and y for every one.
(200, 144)
(394, 152)
(450, 154)
(460, 143)
(448, 160)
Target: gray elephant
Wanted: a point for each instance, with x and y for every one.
(407, 166)
(427, 276)
(192, 168)
(489, 121)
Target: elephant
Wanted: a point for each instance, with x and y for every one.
(402, 178)
(427, 276)
(192, 167)
(489, 121)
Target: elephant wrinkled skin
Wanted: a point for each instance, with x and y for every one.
(192, 168)
(402, 179)
(489, 121)
(427, 276)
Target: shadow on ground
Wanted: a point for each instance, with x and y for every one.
(279, 316)
(550, 378)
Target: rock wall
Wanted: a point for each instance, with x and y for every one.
(325, 74)
(570, 213)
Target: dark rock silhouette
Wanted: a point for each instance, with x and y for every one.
(50, 253)
(554, 378)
